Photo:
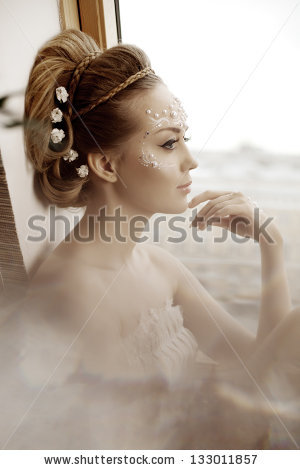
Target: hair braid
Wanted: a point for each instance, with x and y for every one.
(79, 69)
(114, 91)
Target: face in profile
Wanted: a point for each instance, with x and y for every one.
(155, 160)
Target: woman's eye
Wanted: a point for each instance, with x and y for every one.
(170, 144)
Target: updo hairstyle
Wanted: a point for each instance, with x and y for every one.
(73, 60)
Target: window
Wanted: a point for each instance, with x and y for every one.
(235, 67)
(98, 18)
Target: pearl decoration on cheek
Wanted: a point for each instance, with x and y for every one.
(149, 160)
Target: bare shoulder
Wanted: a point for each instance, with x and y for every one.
(56, 274)
(59, 288)
(183, 279)
(165, 259)
(166, 263)
(159, 255)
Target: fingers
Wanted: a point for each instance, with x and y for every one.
(222, 204)
(211, 207)
(235, 209)
(217, 201)
(230, 210)
(206, 195)
(223, 222)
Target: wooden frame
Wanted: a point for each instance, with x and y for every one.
(13, 275)
(68, 14)
(98, 18)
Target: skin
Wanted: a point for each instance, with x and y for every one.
(104, 286)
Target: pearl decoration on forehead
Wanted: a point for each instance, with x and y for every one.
(173, 114)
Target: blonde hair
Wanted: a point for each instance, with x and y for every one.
(73, 60)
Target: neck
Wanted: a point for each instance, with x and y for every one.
(109, 235)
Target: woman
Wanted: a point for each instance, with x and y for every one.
(103, 131)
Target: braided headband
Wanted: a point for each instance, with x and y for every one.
(79, 69)
(114, 91)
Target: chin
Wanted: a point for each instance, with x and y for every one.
(178, 208)
(183, 204)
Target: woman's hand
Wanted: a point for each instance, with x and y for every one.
(235, 212)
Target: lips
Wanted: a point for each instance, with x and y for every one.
(184, 185)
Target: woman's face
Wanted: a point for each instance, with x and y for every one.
(155, 160)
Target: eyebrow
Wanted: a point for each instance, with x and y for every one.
(174, 129)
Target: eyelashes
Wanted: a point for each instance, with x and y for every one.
(170, 143)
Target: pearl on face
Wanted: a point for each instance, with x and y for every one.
(172, 114)
(149, 161)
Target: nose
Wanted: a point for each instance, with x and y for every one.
(188, 161)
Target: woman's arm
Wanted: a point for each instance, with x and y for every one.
(275, 296)
(237, 213)
(219, 335)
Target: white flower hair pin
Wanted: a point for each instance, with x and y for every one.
(61, 94)
(71, 155)
(57, 135)
(56, 115)
(82, 171)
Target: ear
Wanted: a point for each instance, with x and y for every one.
(102, 167)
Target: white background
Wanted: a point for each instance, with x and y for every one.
(238, 58)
